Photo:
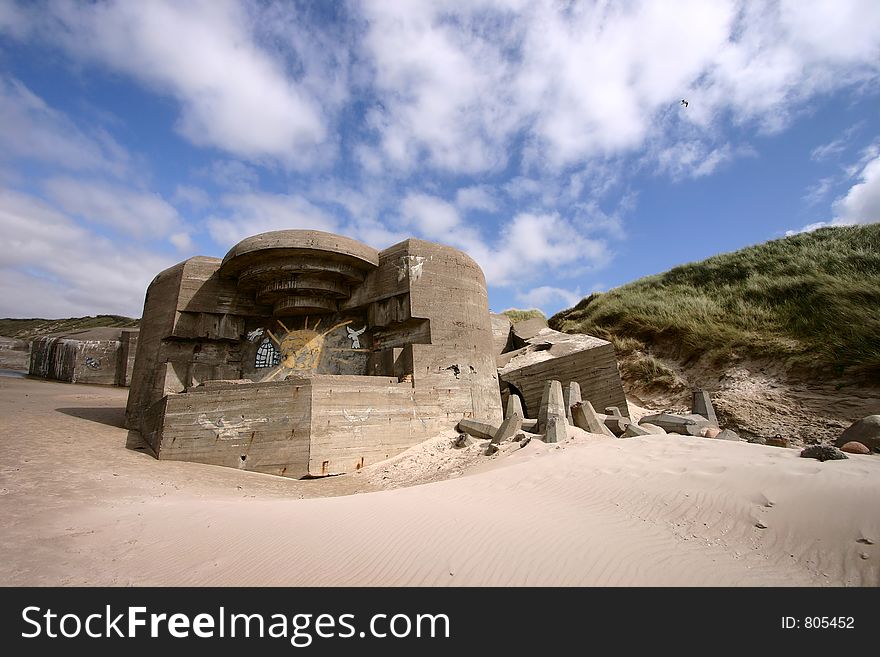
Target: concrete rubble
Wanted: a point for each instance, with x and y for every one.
(539, 354)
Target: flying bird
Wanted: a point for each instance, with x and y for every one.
(684, 102)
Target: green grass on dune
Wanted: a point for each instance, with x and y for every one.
(517, 315)
(812, 299)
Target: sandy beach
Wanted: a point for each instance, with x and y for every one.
(81, 504)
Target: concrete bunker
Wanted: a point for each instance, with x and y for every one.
(99, 355)
(303, 353)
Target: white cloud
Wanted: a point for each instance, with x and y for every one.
(30, 129)
(141, 214)
(458, 84)
(250, 214)
(231, 175)
(195, 197)
(831, 149)
(819, 191)
(809, 228)
(432, 217)
(443, 85)
(476, 197)
(547, 296)
(233, 93)
(51, 267)
(861, 204)
(693, 159)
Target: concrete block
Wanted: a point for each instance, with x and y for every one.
(530, 425)
(652, 428)
(572, 396)
(477, 429)
(616, 423)
(681, 424)
(514, 406)
(634, 430)
(552, 404)
(508, 429)
(557, 430)
(585, 418)
(702, 405)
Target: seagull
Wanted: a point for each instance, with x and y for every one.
(684, 102)
(354, 336)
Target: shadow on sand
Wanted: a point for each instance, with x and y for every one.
(111, 416)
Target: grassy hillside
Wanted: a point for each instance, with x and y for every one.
(812, 299)
(25, 329)
(517, 315)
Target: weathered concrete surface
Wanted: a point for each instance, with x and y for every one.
(501, 326)
(309, 305)
(522, 332)
(702, 405)
(634, 430)
(508, 429)
(514, 407)
(614, 420)
(477, 429)
(95, 356)
(552, 404)
(652, 428)
(688, 425)
(586, 418)
(572, 395)
(557, 430)
(549, 354)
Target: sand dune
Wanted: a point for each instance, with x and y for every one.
(79, 508)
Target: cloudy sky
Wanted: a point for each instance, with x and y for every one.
(546, 139)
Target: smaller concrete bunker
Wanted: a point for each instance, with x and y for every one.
(98, 355)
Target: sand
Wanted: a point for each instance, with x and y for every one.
(79, 507)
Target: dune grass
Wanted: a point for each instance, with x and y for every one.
(517, 315)
(809, 300)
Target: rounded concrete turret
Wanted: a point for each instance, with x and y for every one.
(299, 272)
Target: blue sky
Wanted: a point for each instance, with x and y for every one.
(546, 139)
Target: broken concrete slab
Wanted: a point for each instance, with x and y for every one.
(514, 406)
(586, 418)
(501, 326)
(687, 425)
(634, 430)
(702, 405)
(652, 428)
(549, 354)
(523, 331)
(557, 430)
(508, 429)
(552, 404)
(477, 429)
(530, 425)
(613, 410)
(617, 423)
(572, 395)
